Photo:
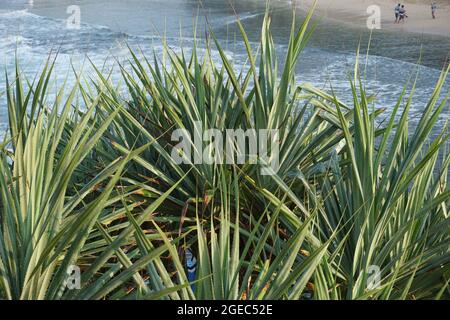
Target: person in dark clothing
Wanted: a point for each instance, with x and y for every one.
(433, 10)
(402, 14)
(397, 12)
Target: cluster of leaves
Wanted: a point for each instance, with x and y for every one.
(96, 186)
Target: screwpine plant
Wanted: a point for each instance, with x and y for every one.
(87, 180)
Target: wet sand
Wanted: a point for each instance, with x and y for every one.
(354, 12)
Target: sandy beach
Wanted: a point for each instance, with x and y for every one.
(418, 11)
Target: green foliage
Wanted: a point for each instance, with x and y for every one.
(88, 180)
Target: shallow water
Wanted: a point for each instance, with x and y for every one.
(34, 28)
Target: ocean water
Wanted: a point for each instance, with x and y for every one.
(33, 29)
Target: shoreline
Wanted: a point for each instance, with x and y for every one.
(354, 13)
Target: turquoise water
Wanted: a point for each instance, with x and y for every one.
(34, 28)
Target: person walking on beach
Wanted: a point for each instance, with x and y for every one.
(402, 14)
(433, 10)
(397, 12)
